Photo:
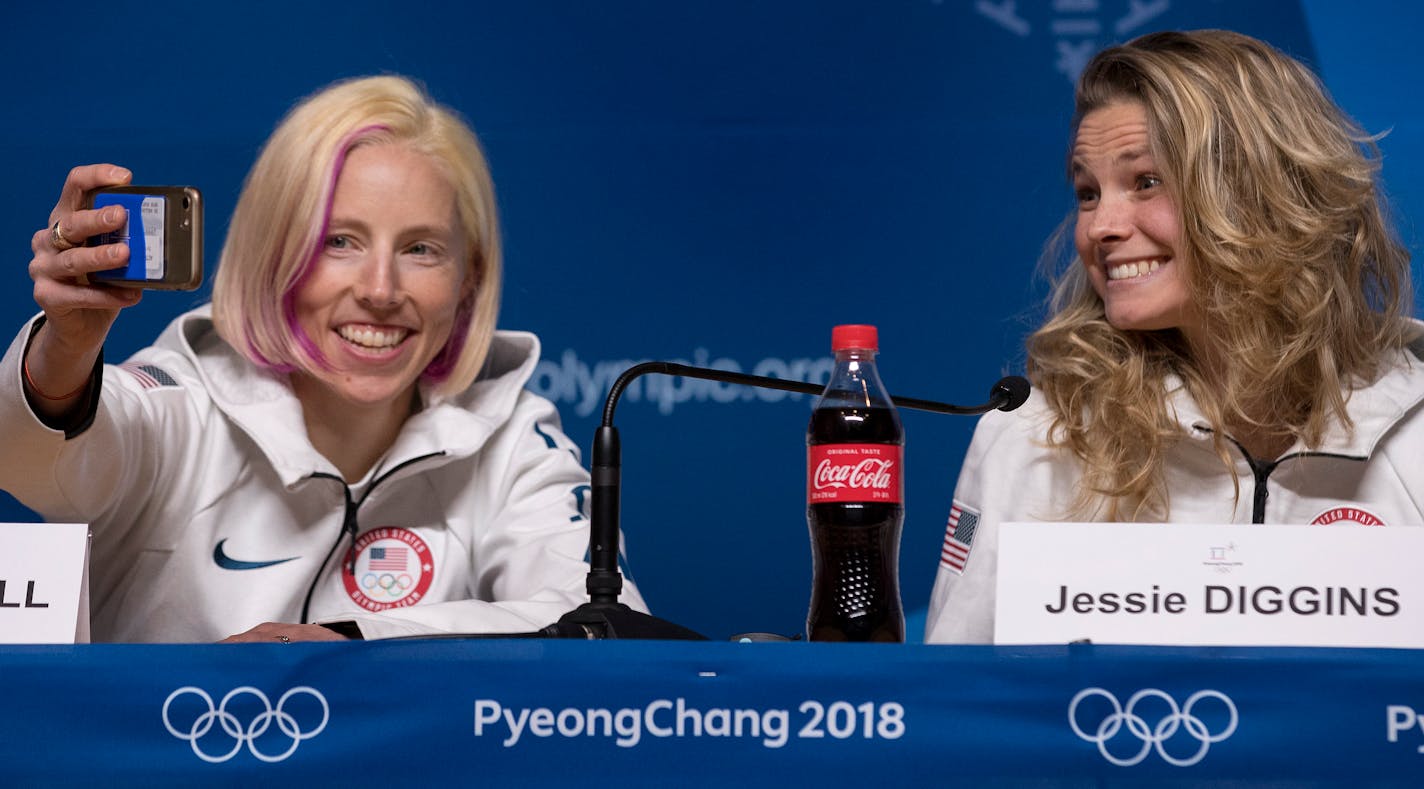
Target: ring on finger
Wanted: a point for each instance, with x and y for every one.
(284, 639)
(57, 239)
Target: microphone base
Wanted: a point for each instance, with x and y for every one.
(615, 620)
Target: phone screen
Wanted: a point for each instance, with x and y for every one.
(144, 232)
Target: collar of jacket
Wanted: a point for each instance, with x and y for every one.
(262, 404)
(1375, 409)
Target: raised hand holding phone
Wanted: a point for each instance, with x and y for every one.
(78, 314)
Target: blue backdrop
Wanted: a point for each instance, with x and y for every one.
(711, 182)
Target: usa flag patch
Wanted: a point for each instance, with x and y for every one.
(958, 536)
(148, 376)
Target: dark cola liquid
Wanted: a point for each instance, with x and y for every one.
(855, 547)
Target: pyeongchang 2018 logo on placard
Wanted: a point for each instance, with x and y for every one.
(1152, 719)
(245, 717)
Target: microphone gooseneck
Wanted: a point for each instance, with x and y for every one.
(603, 616)
(1008, 392)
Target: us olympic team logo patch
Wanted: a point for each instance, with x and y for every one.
(393, 569)
(1344, 515)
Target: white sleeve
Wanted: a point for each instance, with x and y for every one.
(1008, 475)
(106, 468)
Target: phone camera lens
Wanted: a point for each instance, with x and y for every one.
(187, 203)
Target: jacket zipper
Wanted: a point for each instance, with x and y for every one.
(1261, 470)
(349, 525)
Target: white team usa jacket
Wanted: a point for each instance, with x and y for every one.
(212, 513)
(1373, 476)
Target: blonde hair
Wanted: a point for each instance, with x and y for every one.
(1299, 279)
(280, 222)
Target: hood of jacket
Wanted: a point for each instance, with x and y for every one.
(262, 404)
(1374, 410)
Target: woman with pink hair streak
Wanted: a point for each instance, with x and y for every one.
(341, 444)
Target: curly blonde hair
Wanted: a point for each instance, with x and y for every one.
(1298, 277)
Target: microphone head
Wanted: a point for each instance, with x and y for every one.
(1015, 387)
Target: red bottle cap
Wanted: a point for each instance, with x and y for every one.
(855, 336)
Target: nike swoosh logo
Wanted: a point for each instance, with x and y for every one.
(228, 563)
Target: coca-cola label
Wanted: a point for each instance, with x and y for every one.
(854, 473)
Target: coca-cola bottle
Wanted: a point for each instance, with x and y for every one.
(855, 499)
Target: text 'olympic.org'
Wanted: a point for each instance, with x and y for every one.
(574, 383)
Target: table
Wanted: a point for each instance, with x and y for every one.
(442, 712)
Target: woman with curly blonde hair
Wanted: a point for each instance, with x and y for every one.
(1230, 342)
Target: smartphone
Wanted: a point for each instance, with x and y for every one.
(164, 233)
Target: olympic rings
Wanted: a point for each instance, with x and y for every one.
(392, 585)
(232, 727)
(1152, 736)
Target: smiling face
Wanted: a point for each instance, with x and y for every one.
(382, 296)
(1128, 234)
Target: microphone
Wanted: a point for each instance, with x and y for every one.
(603, 616)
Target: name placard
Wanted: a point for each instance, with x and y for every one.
(1210, 585)
(44, 583)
